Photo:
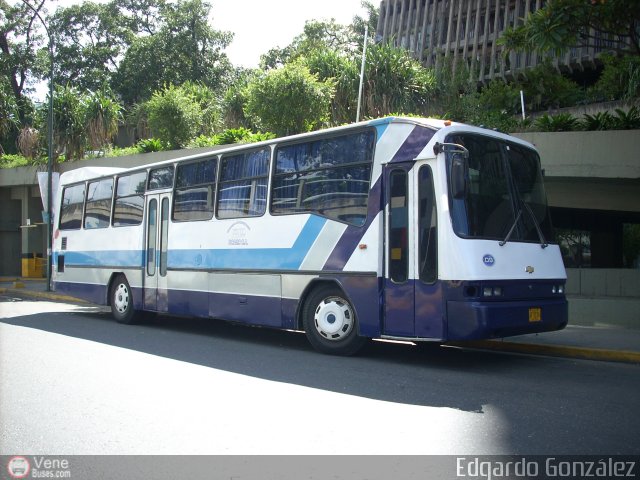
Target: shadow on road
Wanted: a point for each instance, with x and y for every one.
(384, 371)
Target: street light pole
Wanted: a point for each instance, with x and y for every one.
(50, 146)
(364, 59)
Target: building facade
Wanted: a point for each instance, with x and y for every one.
(464, 32)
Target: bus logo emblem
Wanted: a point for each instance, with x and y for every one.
(488, 260)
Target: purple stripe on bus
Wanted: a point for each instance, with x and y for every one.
(414, 144)
(352, 236)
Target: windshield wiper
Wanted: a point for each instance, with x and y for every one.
(513, 227)
(543, 242)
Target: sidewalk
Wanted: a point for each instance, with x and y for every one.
(603, 343)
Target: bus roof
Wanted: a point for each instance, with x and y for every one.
(443, 126)
(86, 173)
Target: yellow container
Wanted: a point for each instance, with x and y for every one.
(33, 267)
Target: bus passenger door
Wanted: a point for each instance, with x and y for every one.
(413, 296)
(398, 286)
(157, 236)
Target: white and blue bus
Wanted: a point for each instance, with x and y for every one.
(397, 228)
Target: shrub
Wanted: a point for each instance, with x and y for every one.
(174, 116)
(597, 121)
(150, 145)
(563, 122)
(12, 161)
(619, 80)
(629, 120)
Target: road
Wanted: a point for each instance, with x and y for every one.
(75, 382)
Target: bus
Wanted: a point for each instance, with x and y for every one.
(397, 228)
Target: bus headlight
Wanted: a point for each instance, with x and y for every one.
(492, 291)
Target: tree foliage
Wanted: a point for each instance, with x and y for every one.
(395, 82)
(174, 116)
(69, 133)
(20, 41)
(102, 117)
(184, 48)
(90, 39)
(562, 24)
(289, 100)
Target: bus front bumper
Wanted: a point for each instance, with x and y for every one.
(475, 320)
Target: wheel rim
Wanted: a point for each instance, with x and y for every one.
(121, 298)
(334, 318)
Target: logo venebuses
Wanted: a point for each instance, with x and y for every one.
(18, 467)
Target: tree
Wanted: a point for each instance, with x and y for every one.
(562, 24)
(184, 48)
(395, 82)
(90, 38)
(102, 117)
(69, 134)
(320, 35)
(344, 72)
(20, 41)
(174, 116)
(9, 122)
(289, 100)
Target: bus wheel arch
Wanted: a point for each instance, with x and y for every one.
(121, 299)
(329, 319)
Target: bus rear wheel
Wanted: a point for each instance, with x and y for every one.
(121, 300)
(330, 322)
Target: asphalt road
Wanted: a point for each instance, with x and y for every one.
(72, 381)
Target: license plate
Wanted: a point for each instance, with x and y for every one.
(535, 315)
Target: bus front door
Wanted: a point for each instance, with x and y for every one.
(413, 297)
(157, 235)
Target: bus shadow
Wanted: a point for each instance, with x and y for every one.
(393, 372)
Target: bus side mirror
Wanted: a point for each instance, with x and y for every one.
(458, 176)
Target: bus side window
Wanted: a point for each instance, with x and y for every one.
(97, 212)
(194, 190)
(427, 227)
(329, 176)
(242, 190)
(129, 205)
(71, 209)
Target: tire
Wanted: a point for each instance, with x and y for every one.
(121, 300)
(330, 322)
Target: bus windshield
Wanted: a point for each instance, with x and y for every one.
(505, 199)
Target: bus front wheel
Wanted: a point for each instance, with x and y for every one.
(122, 301)
(330, 322)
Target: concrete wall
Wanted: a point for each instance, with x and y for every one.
(603, 296)
(612, 154)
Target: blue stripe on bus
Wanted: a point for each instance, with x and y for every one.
(122, 258)
(251, 258)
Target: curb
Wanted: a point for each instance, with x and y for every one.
(43, 295)
(566, 351)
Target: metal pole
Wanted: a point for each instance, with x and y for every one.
(364, 59)
(50, 146)
(50, 170)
